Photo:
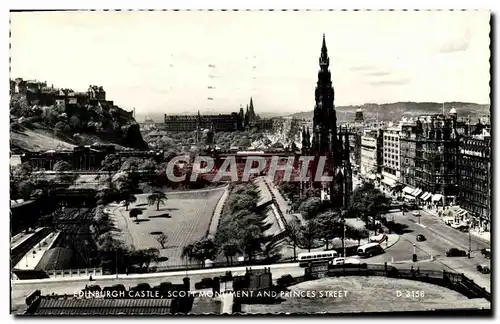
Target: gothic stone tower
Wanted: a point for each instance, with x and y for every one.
(326, 141)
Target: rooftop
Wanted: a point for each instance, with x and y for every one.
(73, 306)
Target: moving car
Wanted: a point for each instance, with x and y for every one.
(338, 261)
(483, 268)
(421, 238)
(415, 213)
(454, 252)
(486, 253)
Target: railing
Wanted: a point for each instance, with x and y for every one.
(455, 281)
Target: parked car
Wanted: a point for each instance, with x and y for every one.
(204, 283)
(454, 252)
(415, 213)
(421, 238)
(486, 253)
(483, 268)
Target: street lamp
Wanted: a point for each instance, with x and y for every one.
(414, 253)
(470, 245)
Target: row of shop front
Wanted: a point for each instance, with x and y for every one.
(434, 201)
(412, 194)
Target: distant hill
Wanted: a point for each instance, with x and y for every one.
(394, 111)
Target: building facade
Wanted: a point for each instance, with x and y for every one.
(474, 168)
(432, 143)
(187, 123)
(391, 167)
(407, 149)
(370, 153)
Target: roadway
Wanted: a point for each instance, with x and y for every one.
(439, 239)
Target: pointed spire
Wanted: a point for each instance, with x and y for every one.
(324, 61)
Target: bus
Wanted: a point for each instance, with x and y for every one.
(311, 257)
(369, 250)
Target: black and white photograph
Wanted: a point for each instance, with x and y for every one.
(279, 162)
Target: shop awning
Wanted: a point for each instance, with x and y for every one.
(416, 192)
(408, 190)
(389, 182)
(437, 197)
(462, 212)
(426, 196)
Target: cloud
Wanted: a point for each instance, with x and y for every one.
(390, 82)
(362, 68)
(456, 45)
(378, 73)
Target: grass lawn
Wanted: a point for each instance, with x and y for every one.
(365, 294)
(185, 218)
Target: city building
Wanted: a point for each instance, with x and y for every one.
(474, 169)
(432, 143)
(187, 123)
(391, 165)
(38, 93)
(371, 154)
(236, 121)
(359, 116)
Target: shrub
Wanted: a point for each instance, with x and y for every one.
(285, 280)
(142, 287)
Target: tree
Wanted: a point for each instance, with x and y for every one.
(149, 167)
(135, 212)
(356, 233)
(61, 128)
(25, 189)
(75, 123)
(368, 200)
(188, 253)
(203, 250)
(294, 235)
(157, 197)
(63, 166)
(230, 249)
(311, 207)
(22, 171)
(309, 233)
(152, 255)
(111, 163)
(129, 199)
(329, 226)
(252, 239)
(162, 239)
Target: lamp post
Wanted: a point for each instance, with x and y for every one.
(116, 262)
(414, 258)
(470, 245)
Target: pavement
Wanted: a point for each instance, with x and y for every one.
(282, 204)
(214, 223)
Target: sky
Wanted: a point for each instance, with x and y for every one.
(173, 62)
